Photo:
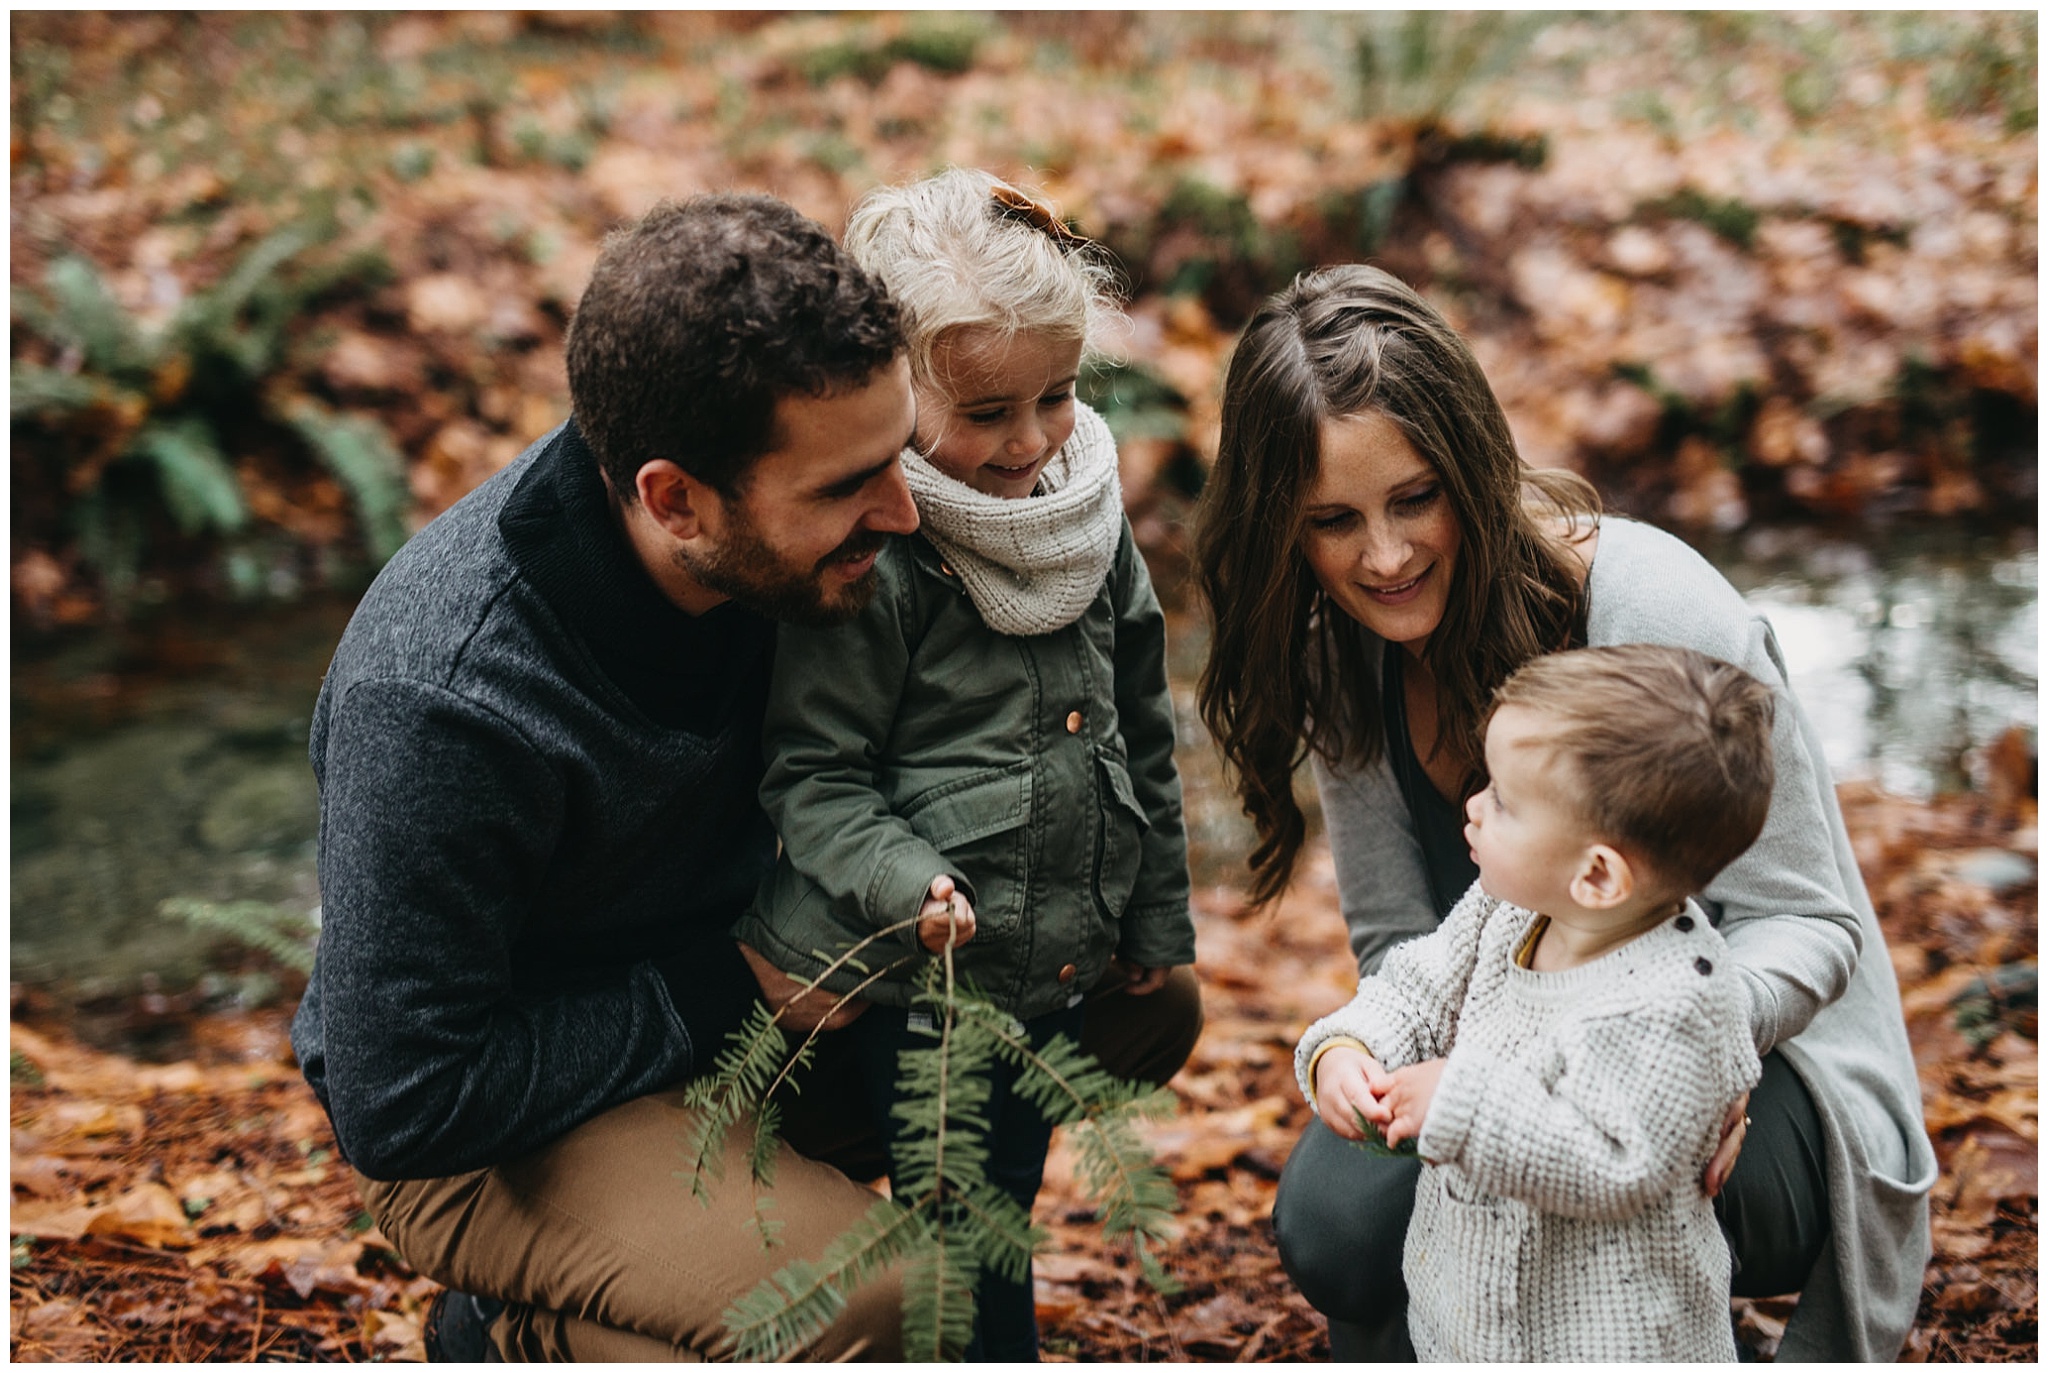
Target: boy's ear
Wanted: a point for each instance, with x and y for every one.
(1604, 879)
(674, 499)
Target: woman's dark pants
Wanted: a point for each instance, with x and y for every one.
(1005, 1314)
(1342, 1215)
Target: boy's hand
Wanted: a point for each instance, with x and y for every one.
(945, 918)
(1345, 1091)
(1407, 1098)
(1140, 980)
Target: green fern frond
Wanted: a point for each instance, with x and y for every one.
(86, 315)
(362, 457)
(1133, 1195)
(1002, 1235)
(755, 1062)
(35, 390)
(199, 487)
(736, 1085)
(242, 319)
(788, 1309)
(1375, 1143)
(280, 932)
(938, 1302)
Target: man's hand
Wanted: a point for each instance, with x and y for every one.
(802, 1010)
(1734, 1130)
(1139, 980)
(1407, 1097)
(945, 918)
(1344, 1091)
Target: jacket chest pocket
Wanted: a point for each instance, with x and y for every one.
(981, 823)
(1124, 823)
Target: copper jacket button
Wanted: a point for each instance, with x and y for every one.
(1074, 722)
(1067, 973)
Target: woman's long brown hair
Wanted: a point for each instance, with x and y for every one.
(1288, 671)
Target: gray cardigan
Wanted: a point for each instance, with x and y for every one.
(1799, 924)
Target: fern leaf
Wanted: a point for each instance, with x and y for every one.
(87, 316)
(278, 931)
(362, 457)
(1375, 1143)
(787, 1310)
(212, 322)
(36, 390)
(198, 486)
(1001, 1235)
(735, 1087)
(938, 1301)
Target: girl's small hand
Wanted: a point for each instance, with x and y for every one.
(1139, 980)
(946, 919)
(1734, 1131)
(1407, 1099)
(1344, 1091)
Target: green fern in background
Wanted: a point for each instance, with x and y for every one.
(946, 1223)
(286, 935)
(149, 413)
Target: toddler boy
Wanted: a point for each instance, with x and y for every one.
(1564, 1047)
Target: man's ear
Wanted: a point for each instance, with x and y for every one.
(674, 499)
(1604, 879)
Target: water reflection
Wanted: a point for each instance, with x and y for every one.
(147, 768)
(1911, 657)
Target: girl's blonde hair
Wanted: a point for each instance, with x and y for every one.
(963, 249)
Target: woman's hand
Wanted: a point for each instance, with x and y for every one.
(1734, 1130)
(945, 920)
(1407, 1096)
(1345, 1091)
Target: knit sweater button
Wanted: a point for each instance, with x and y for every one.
(1703, 966)
(1073, 722)
(1067, 974)
(1684, 922)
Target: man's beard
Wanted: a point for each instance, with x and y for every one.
(748, 570)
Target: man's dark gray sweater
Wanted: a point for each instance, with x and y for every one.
(537, 825)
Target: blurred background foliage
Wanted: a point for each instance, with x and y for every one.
(285, 285)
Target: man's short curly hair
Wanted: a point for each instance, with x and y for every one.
(703, 315)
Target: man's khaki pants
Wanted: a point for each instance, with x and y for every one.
(603, 1254)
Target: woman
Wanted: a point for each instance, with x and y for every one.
(1376, 559)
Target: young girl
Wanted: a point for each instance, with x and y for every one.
(988, 746)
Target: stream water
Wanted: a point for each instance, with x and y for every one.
(171, 762)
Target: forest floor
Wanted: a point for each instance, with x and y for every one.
(1734, 267)
(195, 1209)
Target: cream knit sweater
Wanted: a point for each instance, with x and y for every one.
(1805, 941)
(1562, 1217)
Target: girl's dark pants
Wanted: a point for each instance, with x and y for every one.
(1005, 1313)
(1342, 1214)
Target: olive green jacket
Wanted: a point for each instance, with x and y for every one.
(1038, 771)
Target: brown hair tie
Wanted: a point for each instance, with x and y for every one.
(1013, 204)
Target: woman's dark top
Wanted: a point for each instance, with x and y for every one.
(1439, 824)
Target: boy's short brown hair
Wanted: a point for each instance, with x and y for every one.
(1668, 751)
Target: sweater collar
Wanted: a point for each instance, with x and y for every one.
(677, 668)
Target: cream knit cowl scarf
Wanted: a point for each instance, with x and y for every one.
(1030, 566)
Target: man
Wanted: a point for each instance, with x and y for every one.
(538, 747)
